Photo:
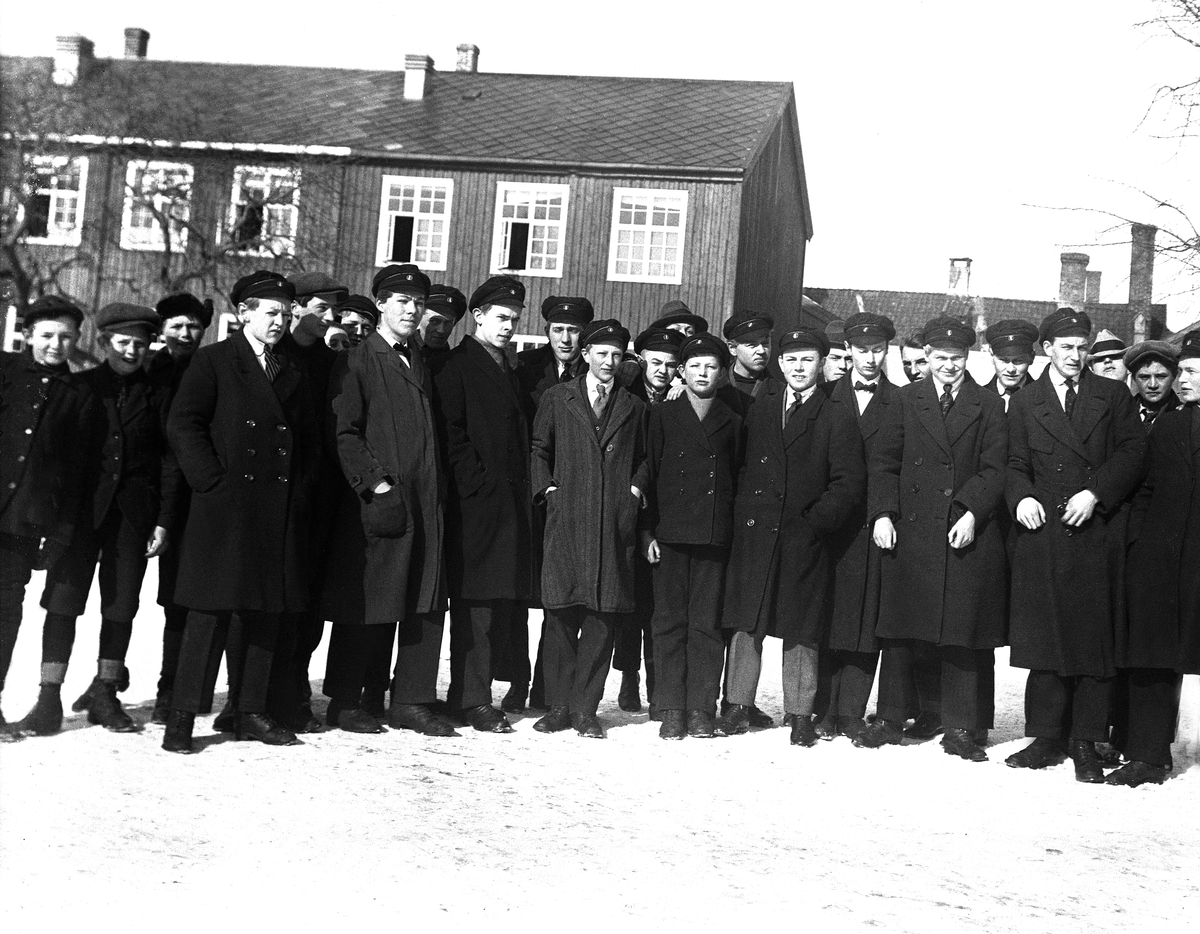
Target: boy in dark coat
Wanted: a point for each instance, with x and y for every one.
(802, 478)
(694, 446)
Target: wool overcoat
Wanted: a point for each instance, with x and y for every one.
(1164, 558)
(1067, 584)
(856, 557)
(798, 486)
(162, 367)
(385, 555)
(537, 371)
(249, 448)
(483, 426)
(591, 518)
(934, 471)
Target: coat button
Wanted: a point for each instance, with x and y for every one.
(750, 523)
(919, 461)
(1059, 468)
(250, 477)
(281, 427)
(283, 452)
(251, 423)
(45, 379)
(28, 431)
(916, 488)
(912, 518)
(764, 460)
(609, 449)
(283, 479)
(711, 474)
(250, 451)
(12, 486)
(947, 492)
(758, 492)
(20, 458)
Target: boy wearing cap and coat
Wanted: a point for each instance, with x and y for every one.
(1011, 344)
(444, 308)
(589, 468)
(1076, 456)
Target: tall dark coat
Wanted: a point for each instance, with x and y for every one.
(934, 471)
(797, 488)
(537, 371)
(249, 449)
(163, 367)
(483, 426)
(385, 555)
(1164, 559)
(1067, 584)
(857, 559)
(591, 518)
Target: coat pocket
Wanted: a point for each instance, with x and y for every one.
(386, 515)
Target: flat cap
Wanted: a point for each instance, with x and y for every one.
(400, 277)
(262, 284)
(804, 339)
(945, 331)
(1011, 336)
(741, 323)
(499, 290)
(1064, 322)
(1190, 346)
(446, 300)
(1106, 345)
(52, 306)
(318, 283)
(120, 314)
(703, 345)
(666, 340)
(865, 326)
(576, 311)
(604, 331)
(677, 312)
(835, 332)
(1146, 351)
(359, 305)
(184, 303)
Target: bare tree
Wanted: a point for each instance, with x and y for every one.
(1179, 102)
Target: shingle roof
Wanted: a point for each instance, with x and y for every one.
(716, 125)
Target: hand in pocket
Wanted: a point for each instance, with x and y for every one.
(386, 516)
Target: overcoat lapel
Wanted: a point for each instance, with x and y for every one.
(252, 375)
(1089, 407)
(620, 410)
(484, 363)
(965, 411)
(1047, 410)
(798, 424)
(719, 415)
(929, 413)
(577, 402)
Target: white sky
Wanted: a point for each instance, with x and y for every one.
(930, 129)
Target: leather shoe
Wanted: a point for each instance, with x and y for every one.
(674, 725)
(352, 719)
(162, 707)
(177, 737)
(1087, 765)
(926, 726)
(226, 720)
(1108, 754)
(372, 703)
(759, 720)
(587, 726)
(1037, 755)
(487, 719)
(104, 709)
(962, 744)
(851, 727)
(803, 731)
(514, 700)
(420, 719)
(630, 699)
(735, 720)
(880, 733)
(305, 721)
(1136, 773)
(826, 727)
(261, 727)
(559, 718)
(701, 724)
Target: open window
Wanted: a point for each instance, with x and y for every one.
(52, 211)
(264, 210)
(414, 221)
(158, 197)
(529, 229)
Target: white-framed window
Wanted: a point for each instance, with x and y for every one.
(414, 221)
(531, 221)
(53, 207)
(264, 210)
(156, 194)
(647, 235)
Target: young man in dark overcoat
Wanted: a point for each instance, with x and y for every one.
(1011, 345)
(802, 479)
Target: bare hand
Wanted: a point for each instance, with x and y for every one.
(157, 543)
(638, 496)
(676, 390)
(549, 490)
(381, 487)
(1031, 514)
(884, 533)
(650, 548)
(1080, 508)
(963, 532)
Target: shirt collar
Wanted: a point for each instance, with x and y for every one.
(255, 344)
(1058, 379)
(592, 383)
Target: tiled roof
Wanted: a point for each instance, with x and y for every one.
(715, 125)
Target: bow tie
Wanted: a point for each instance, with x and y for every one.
(865, 387)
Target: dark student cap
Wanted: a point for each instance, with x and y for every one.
(52, 306)
(1190, 346)
(1011, 337)
(604, 331)
(740, 324)
(499, 290)
(320, 285)
(868, 328)
(804, 339)
(945, 331)
(1106, 345)
(676, 312)
(835, 333)
(657, 338)
(361, 305)
(184, 303)
(120, 314)
(400, 277)
(576, 311)
(704, 345)
(1064, 322)
(262, 284)
(446, 300)
(1163, 351)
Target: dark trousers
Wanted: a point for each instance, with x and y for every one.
(120, 551)
(356, 652)
(204, 640)
(58, 638)
(966, 681)
(310, 627)
(578, 651)
(174, 622)
(1151, 709)
(17, 558)
(927, 684)
(1062, 707)
(688, 646)
(844, 681)
(634, 636)
(479, 635)
(511, 662)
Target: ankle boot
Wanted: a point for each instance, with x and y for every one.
(162, 706)
(177, 737)
(105, 710)
(47, 715)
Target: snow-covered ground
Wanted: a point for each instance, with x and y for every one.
(105, 832)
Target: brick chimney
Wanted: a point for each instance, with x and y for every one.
(960, 276)
(416, 68)
(1091, 287)
(1141, 267)
(468, 58)
(1072, 278)
(136, 42)
(72, 55)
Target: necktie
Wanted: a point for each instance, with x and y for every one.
(271, 364)
(865, 387)
(601, 400)
(791, 410)
(1148, 415)
(1069, 399)
(565, 375)
(947, 400)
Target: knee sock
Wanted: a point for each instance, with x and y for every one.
(58, 638)
(114, 639)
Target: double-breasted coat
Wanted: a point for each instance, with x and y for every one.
(934, 471)
(483, 426)
(798, 486)
(857, 559)
(249, 449)
(1164, 558)
(385, 554)
(1067, 583)
(591, 518)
